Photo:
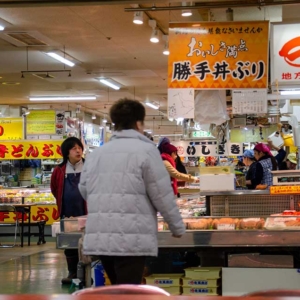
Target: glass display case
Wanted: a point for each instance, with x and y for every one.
(27, 196)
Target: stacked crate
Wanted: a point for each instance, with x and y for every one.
(171, 283)
(202, 281)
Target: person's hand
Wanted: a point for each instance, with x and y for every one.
(176, 236)
(197, 180)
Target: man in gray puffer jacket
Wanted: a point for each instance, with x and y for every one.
(125, 183)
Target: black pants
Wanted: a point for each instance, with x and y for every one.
(124, 269)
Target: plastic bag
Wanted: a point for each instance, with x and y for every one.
(210, 107)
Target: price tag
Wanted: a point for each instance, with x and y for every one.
(226, 226)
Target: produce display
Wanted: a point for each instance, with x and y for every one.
(29, 195)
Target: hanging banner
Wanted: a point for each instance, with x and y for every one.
(48, 213)
(181, 103)
(11, 129)
(207, 148)
(41, 122)
(218, 55)
(30, 149)
(285, 59)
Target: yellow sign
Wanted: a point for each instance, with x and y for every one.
(48, 213)
(11, 129)
(42, 149)
(284, 189)
(218, 55)
(40, 122)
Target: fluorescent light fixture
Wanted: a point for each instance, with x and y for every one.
(285, 93)
(154, 36)
(150, 104)
(109, 82)
(62, 98)
(61, 59)
(138, 18)
(93, 117)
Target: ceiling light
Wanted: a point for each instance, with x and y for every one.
(111, 83)
(138, 18)
(290, 93)
(186, 13)
(150, 104)
(4, 24)
(154, 36)
(61, 59)
(62, 98)
(166, 49)
(93, 117)
(104, 121)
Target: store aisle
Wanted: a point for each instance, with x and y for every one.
(32, 270)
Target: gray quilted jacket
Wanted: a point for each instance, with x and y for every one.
(125, 183)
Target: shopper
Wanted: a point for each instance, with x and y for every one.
(265, 164)
(290, 163)
(250, 161)
(125, 184)
(169, 155)
(179, 165)
(64, 187)
(161, 142)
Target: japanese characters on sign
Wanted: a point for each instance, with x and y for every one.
(285, 58)
(249, 101)
(41, 122)
(208, 148)
(282, 189)
(11, 129)
(222, 55)
(30, 149)
(48, 213)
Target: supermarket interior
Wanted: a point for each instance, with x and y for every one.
(219, 80)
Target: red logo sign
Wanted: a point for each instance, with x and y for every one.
(291, 51)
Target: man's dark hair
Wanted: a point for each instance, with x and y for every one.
(125, 113)
(67, 145)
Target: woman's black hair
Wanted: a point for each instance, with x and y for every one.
(274, 163)
(179, 165)
(125, 113)
(67, 145)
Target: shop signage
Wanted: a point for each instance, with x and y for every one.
(11, 129)
(41, 122)
(285, 55)
(201, 133)
(207, 148)
(48, 213)
(282, 189)
(30, 149)
(218, 55)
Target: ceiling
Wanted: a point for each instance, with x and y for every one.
(105, 42)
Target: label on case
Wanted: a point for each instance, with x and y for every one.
(226, 226)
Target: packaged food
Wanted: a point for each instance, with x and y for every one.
(217, 222)
(252, 223)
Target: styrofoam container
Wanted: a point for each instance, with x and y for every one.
(203, 273)
(164, 280)
(55, 228)
(200, 282)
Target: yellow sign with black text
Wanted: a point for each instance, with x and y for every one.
(11, 129)
(284, 189)
(41, 122)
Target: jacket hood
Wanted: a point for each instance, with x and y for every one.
(130, 134)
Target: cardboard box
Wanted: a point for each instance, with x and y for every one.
(164, 280)
(199, 291)
(203, 273)
(201, 283)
